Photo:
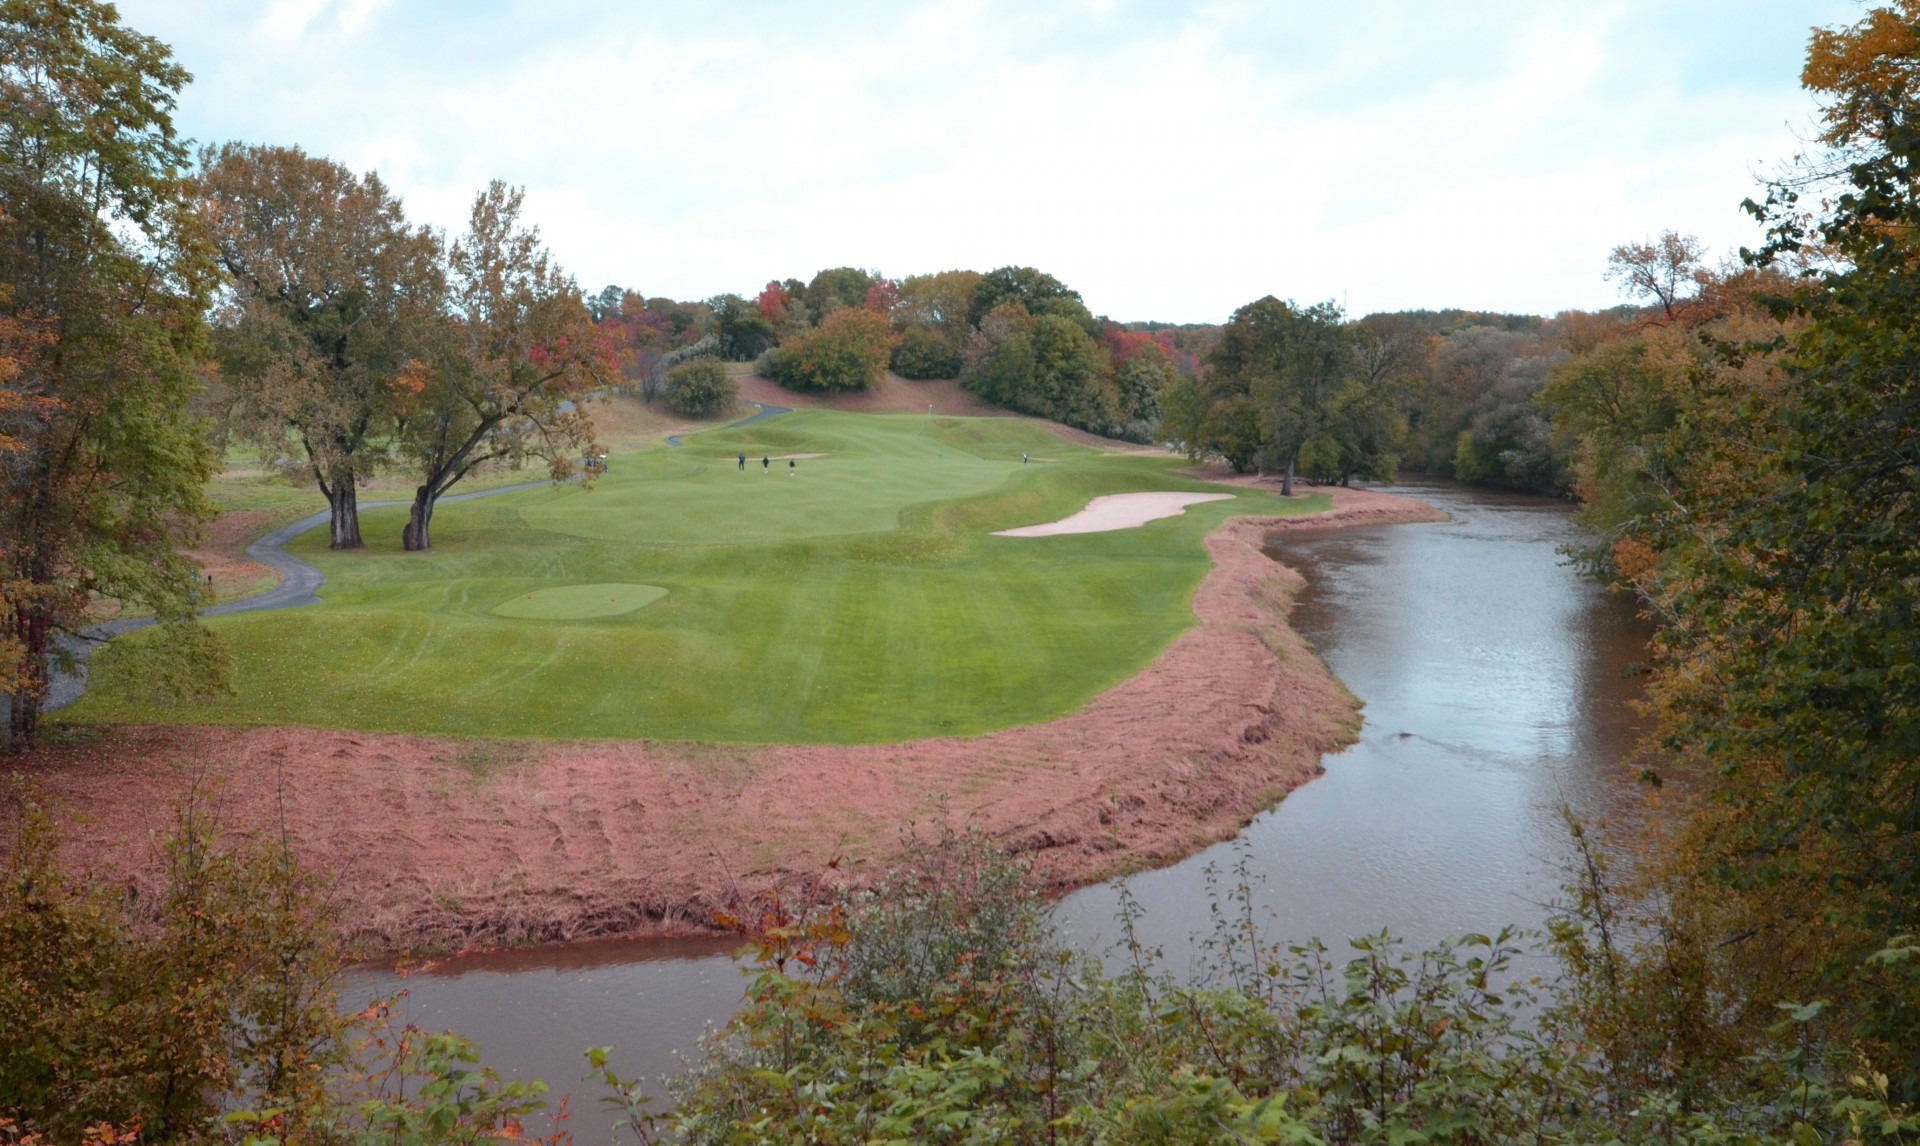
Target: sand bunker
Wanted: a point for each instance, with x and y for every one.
(1117, 511)
(579, 602)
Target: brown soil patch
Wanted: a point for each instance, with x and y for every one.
(894, 395)
(907, 396)
(223, 554)
(626, 422)
(438, 843)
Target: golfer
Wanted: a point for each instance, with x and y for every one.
(1023, 459)
(765, 465)
(790, 467)
(743, 463)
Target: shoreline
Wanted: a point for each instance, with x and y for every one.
(434, 845)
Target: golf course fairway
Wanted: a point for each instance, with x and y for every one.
(856, 599)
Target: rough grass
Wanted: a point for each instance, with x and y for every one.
(859, 601)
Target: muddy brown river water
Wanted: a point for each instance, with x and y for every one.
(1497, 690)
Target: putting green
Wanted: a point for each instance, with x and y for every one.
(861, 599)
(579, 602)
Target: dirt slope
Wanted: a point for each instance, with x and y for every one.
(442, 844)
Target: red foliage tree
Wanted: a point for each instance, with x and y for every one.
(773, 304)
(883, 297)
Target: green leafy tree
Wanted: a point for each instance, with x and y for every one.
(1032, 290)
(923, 352)
(1236, 430)
(837, 288)
(1509, 437)
(1465, 365)
(745, 332)
(700, 389)
(1294, 362)
(103, 282)
(1140, 377)
(1046, 365)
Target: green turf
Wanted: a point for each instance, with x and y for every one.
(579, 602)
(859, 600)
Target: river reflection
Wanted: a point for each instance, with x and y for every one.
(1493, 680)
(535, 1012)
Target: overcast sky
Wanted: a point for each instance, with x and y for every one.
(1169, 161)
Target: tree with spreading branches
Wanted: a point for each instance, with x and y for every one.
(514, 353)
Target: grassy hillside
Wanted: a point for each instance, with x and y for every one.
(859, 600)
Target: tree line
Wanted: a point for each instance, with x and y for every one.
(140, 284)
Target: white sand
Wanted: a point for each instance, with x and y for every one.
(1117, 511)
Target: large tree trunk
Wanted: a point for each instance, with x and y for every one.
(419, 519)
(344, 501)
(1286, 483)
(23, 716)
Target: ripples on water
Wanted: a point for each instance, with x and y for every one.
(1492, 677)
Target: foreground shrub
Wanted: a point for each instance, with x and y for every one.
(148, 1013)
(206, 1011)
(700, 389)
(939, 1007)
(847, 351)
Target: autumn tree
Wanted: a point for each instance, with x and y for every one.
(1663, 271)
(931, 321)
(1143, 370)
(883, 297)
(847, 351)
(638, 341)
(330, 294)
(102, 288)
(1791, 572)
(514, 353)
(773, 300)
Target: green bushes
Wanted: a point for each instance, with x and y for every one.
(938, 1007)
(700, 389)
(924, 353)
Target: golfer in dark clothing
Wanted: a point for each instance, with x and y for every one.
(790, 465)
(764, 464)
(743, 463)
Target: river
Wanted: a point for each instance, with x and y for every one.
(1497, 690)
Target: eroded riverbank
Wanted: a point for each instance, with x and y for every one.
(1498, 687)
(435, 844)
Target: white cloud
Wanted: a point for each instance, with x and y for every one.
(1167, 162)
(288, 19)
